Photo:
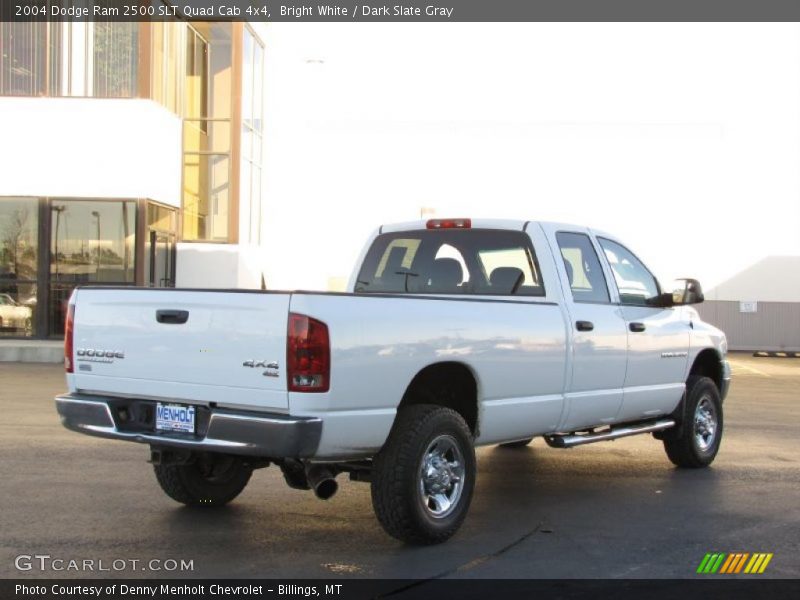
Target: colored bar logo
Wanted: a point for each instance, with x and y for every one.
(731, 564)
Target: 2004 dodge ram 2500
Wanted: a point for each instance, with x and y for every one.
(454, 333)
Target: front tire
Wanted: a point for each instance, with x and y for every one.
(209, 480)
(695, 442)
(424, 476)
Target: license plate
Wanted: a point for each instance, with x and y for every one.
(174, 417)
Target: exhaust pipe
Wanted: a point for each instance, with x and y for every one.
(322, 480)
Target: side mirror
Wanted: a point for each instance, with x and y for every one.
(687, 291)
(684, 291)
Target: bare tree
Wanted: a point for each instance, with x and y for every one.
(13, 236)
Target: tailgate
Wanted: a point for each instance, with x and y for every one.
(185, 345)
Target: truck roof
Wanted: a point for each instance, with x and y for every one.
(511, 224)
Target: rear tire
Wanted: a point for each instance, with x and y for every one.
(517, 444)
(423, 478)
(210, 480)
(694, 443)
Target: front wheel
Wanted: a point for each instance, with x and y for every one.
(209, 480)
(424, 476)
(695, 442)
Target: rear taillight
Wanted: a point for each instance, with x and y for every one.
(69, 328)
(308, 355)
(449, 224)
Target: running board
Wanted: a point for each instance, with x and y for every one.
(569, 440)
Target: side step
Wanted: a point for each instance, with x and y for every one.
(569, 440)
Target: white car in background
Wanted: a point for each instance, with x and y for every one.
(13, 316)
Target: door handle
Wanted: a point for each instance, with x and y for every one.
(637, 327)
(172, 317)
(584, 325)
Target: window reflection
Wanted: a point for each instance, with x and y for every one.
(115, 60)
(69, 59)
(18, 238)
(252, 133)
(18, 266)
(92, 241)
(207, 132)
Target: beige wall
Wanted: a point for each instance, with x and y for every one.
(775, 325)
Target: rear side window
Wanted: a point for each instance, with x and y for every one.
(586, 279)
(455, 261)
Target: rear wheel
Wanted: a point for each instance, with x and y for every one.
(209, 480)
(423, 477)
(517, 444)
(695, 442)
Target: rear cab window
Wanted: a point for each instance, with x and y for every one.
(451, 261)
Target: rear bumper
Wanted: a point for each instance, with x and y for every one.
(226, 431)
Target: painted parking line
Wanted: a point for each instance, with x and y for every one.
(738, 365)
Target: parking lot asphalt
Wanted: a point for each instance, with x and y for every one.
(608, 510)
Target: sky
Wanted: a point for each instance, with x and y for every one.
(683, 140)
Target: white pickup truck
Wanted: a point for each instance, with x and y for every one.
(454, 333)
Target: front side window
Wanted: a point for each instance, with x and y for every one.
(585, 275)
(635, 283)
(479, 262)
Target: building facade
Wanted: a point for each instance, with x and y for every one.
(758, 308)
(132, 155)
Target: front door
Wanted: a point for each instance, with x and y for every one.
(599, 341)
(160, 271)
(658, 339)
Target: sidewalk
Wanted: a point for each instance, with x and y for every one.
(32, 351)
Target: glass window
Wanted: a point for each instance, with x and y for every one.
(24, 58)
(172, 71)
(252, 131)
(160, 218)
(92, 241)
(453, 261)
(635, 283)
(196, 83)
(18, 238)
(207, 132)
(57, 309)
(586, 279)
(165, 79)
(206, 189)
(115, 60)
(18, 265)
(62, 59)
(17, 309)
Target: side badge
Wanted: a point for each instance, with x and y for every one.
(272, 370)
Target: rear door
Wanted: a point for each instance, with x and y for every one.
(184, 345)
(599, 345)
(658, 338)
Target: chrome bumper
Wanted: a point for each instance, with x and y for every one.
(726, 379)
(232, 432)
